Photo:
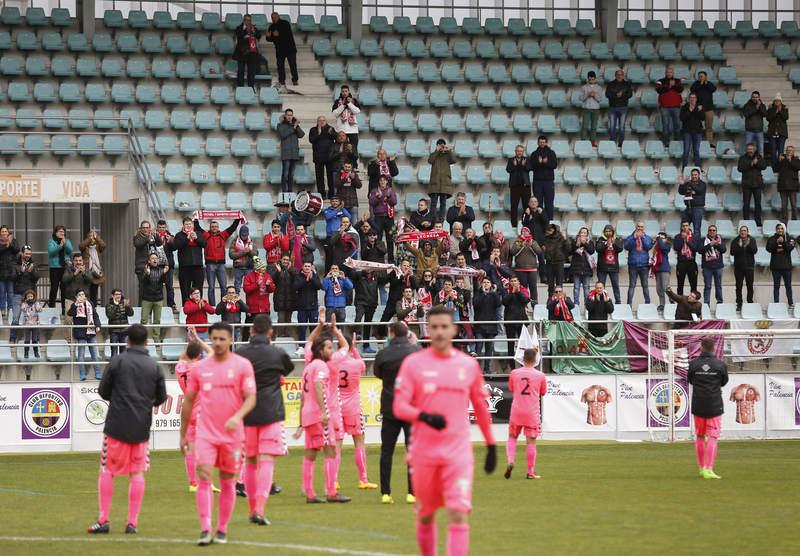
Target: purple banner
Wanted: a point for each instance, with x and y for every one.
(658, 402)
(686, 347)
(797, 401)
(45, 413)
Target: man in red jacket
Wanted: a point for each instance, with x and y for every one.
(276, 243)
(669, 106)
(258, 284)
(215, 256)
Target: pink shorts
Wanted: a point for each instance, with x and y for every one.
(530, 432)
(224, 457)
(707, 426)
(265, 439)
(353, 424)
(124, 458)
(438, 485)
(317, 436)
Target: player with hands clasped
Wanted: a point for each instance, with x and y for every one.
(527, 385)
(433, 390)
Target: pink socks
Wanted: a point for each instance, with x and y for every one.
(308, 477)
(251, 485)
(458, 539)
(204, 501)
(337, 462)
(700, 448)
(511, 450)
(330, 476)
(710, 453)
(105, 492)
(135, 497)
(361, 463)
(266, 468)
(227, 499)
(530, 456)
(188, 460)
(426, 538)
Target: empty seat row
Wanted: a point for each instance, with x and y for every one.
(35, 17)
(250, 174)
(215, 147)
(260, 201)
(472, 26)
(64, 145)
(722, 29)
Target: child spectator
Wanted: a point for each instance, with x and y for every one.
(30, 309)
(197, 310)
(86, 325)
(231, 309)
(118, 309)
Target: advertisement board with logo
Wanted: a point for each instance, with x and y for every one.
(35, 415)
(783, 402)
(658, 403)
(579, 403)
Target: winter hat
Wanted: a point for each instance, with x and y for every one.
(259, 264)
(778, 97)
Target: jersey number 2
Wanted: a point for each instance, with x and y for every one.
(527, 390)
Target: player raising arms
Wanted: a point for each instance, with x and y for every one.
(224, 387)
(707, 375)
(443, 379)
(527, 386)
(264, 435)
(133, 384)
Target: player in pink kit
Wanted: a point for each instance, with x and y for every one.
(224, 387)
(433, 391)
(527, 386)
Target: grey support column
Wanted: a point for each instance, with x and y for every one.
(606, 15)
(86, 17)
(352, 11)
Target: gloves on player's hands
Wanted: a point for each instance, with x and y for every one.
(491, 459)
(434, 420)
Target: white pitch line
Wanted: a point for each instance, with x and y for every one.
(258, 544)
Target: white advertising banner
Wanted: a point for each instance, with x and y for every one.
(745, 404)
(632, 402)
(35, 414)
(575, 403)
(762, 344)
(57, 188)
(783, 402)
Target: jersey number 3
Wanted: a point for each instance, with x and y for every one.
(343, 383)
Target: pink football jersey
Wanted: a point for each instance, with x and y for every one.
(349, 370)
(316, 371)
(526, 385)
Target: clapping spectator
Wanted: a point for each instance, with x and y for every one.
(519, 181)
(754, 112)
(275, 243)
(257, 286)
(556, 249)
(342, 151)
(440, 187)
(515, 302)
(26, 275)
(686, 250)
(347, 183)
(30, 310)
(786, 167)
(197, 310)
(608, 247)
(345, 111)
(322, 138)
(559, 306)
(618, 93)
(669, 90)
(743, 251)
(146, 241)
(383, 201)
(535, 219)
(9, 248)
(345, 243)
(280, 33)
(486, 303)
(289, 132)
(751, 164)
(543, 163)
(638, 245)
(581, 265)
(301, 248)
(168, 246)
(526, 252)
(76, 277)
(711, 251)
(246, 53)
(599, 309)
(692, 119)
(780, 247)
(306, 286)
(372, 249)
(694, 198)
(660, 268)
(59, 250)
(704, 90)
(153, 279)
(283, 297)
(337, 288)
(423, 218)
(215, 240)
(382, 166)
(189, 245)
(590, 107)
(86, 326)
(118, 309)
(460, 212)
(366, 302)
(231, 308)
(777, 128)
(333, 222)
(241, 252)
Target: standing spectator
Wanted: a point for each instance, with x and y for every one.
(638, 245)
(230, 309)
(197, 310)
(168, 245)
(345, 243)
(59, 250)
(519, 182)
(366, 302)
(669, 91)
(470, 248)
(590, 107)
(322, 137)
(215, 248)
(686, 249)
(86, 326)
(153, 280)
(556, 249)
(145, 242)
(341, 151)
(423, 218)
(754, 112)
(486, 303)
(581, 265)
(306, 286)
(189, 245)
(289, 132)
(347, 182)
(777, 128)
(257, 286)
(618, 93)
(301, 248)
(694, 198)
(689, 307)
(382, 166)
(704, 90)
(743, 251)
(373, 250)
(526, 253)
(398, 280)
(409, 309)
(30, 310)
(455, 239)
(9, 249)
(460, 212)
(345, 111)
(535, 220)
(750, 165)
(337, 288)
(283, 297)
(780, 247)
(559, 306)
(383, 201)
(543, 163)
(76, 277)
(786, 167)
(659, 267)
(333, 223)
(118, 309)
(427, 256)
(26, 275)
(599, 309)
(515, 301)
(275, 243)
(711, 251)
(280, 33)
(441, 183)
(692, 118)
(496, 270)
(608, 248)
(246, 53)
(241, 251)
(90, 248)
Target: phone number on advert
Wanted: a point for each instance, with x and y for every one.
(167, 423)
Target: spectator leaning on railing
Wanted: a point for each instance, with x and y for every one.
(59, 250)
(689, 307)
(197, 310)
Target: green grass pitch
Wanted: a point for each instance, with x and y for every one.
(594, 498)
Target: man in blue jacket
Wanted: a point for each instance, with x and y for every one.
(337, 287)
(638, 245)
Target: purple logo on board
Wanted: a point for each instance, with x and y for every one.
(658, 402)
(45, 413)
(797, 400)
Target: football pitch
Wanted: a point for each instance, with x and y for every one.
(594, 498)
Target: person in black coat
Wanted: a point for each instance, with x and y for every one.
(543, 163)
(189, 244)
(685, 246)
(704, 90)
(707, 375)
(559, 306)
(485, 303)
(599, 308)
(383, 165)
(306, 287)
(743, 251)
(751, 164)
(246, 52)
(519, 181)
(460, 212)
(516, 302)
(280, 34)
(780, 247)
(694, 198)
(692, 119)
(322, 136)
(786, 167)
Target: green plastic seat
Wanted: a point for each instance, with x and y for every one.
(44, 92)
(322, 48)
(267, 148)
(111, 67)
(155, 120)
(51, 41)
(102, 42)
(230, 121)
(475, 73)
(12, 65)
(181, 120)
(200, 45)
(89, 145)
(425, 26)
(69, 92)
(112, 19)
(26, 40)
(136, 68)
(127, 43)
(252, 174)
(329, 24)
(18, 92)
(176, 45)
(448, 26)
(137, 19)
(185, 201)
(216, 147)
(76, 42)
(55, 118)
(60, 17)
(563, 28)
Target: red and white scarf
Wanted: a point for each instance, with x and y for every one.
(458, 271)
(219, 215)
(337, 287)
(369, 266)
(421, 236)
(561, 310)
(383, 169)
(84, 310)
(712, 254)
(232, 306)
(610, 253)
(347, 179)
(297, 250)
(410, 306)
(594, 295)
(656, 259)
(686, 250)
(346, 116)
(241, 246)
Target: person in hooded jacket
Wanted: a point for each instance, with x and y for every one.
(608, 247)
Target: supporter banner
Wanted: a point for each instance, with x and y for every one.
(590, 354)
(763, 344)
(783, 402)
(56, 188)
(38, 414)
(370, 401)
(219, 215)
(745, 403)
(457, 271)
(420, 236)
(686, 347)
(369, 266)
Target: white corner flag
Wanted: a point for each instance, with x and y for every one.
(527, 340)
